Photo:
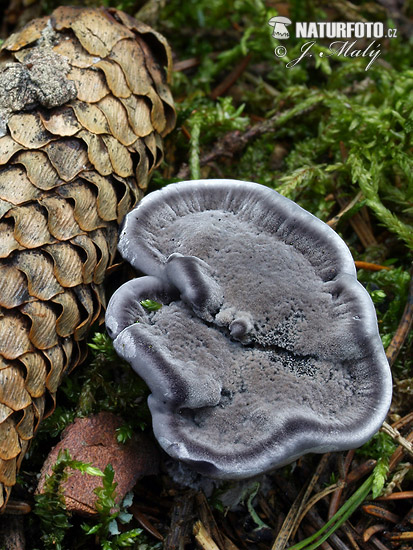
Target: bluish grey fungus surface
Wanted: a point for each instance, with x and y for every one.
(266, 346)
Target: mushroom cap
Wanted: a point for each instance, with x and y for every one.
(279, 19)
(266, 346)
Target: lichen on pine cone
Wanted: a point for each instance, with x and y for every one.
(84, 105)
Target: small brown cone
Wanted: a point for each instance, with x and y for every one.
(84, 104)
(92, 440)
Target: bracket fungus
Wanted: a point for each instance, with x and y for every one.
(266, 346)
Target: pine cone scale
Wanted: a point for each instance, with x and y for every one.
(115, 78)
(38, 169)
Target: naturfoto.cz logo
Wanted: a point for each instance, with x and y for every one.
(347, 33)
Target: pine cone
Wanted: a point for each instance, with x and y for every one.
(83, 108)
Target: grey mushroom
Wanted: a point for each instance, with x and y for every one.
(266, 346)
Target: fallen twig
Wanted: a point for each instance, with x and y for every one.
(336, 496)
(373, 529)
(370, 267)
(333, 222)
(403, 422)
(397, 496)
(360, 223)
(231, 78)
(182, 517)
(235, 141)
(314, 499)
(380, 512)
(207, 519)
(291, 522)
(396, 436)
(361, 471)
(313, 518)
(203, 538)
(404, 327)
(145, 522)
(328, 529)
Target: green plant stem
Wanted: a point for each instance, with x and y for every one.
(369, 187)
(338, 519)
(393, 224)
(194, 163)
